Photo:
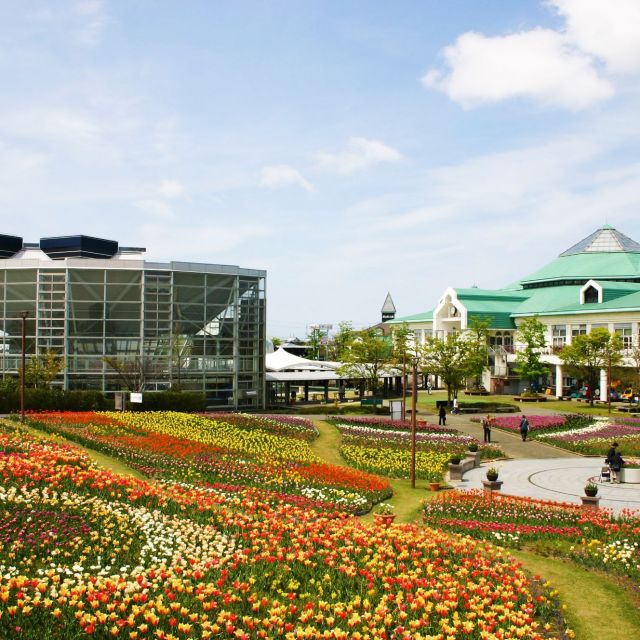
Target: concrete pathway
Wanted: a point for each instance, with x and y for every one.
(559, 479)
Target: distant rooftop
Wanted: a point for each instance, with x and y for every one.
(604, 240)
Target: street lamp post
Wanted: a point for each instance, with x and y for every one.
(403, 415)
(414, 400)
(23, 315)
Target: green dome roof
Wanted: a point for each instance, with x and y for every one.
(605, 254)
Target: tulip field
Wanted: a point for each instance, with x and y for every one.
(594, 538)
(227, 453)
(382, 446)
(86, 553)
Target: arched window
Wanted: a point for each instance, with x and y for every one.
(591, 295)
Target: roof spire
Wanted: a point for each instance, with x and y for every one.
(388, 309)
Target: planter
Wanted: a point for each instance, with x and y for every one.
(492, 477)
(476, 458)
(489, 486)
(455, 471)
(591, 492)
(630, 475)
(383, 520)
(590, 502)
(434, 486)
(524, 399)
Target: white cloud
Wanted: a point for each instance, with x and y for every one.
(171, 188)
(283, 175)
(609, 30)
(361, 153)
(539, 64)
(92, 18)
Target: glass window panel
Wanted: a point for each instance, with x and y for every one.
(21, 275)
(124, 276)
(13, 327)
(85, 346)
(14, 309)
(122, 346)
(84, 363)
(189, 295)
(122, 310)
(122, 328)
(188, 313)
(86, 275)
(217, 280)
(86, 310)
(80, 291)
(123, 293)
(25, 291)
(188, 279)
(87, 328)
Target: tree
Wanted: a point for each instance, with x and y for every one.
(588, 354)
(531, 333)
(42, 370)
(132, 372)
(341, 341)
(477, 337)
(276, 342)
(369, 354)
(315, 339)
(452, 358)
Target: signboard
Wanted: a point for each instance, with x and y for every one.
(395, 407)
(136, 398)
(119, 401)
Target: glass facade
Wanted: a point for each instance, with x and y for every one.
(185, 325)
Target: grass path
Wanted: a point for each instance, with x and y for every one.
(594, 602)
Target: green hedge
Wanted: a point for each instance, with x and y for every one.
(58, 400)
(53, 400)
(171, 401)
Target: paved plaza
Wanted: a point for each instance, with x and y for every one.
(539, 470)
(559, 479)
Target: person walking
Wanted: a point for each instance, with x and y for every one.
(442, 416)
(524, 428)
(429, 387)
(615, 463)
(486, 428)
(455, 406)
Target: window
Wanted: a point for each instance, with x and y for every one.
(578, 330)
(559, 335)
(591, 295)
(624, 331)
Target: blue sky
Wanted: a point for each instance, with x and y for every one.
(349, 148)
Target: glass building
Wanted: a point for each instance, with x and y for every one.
(182, 325)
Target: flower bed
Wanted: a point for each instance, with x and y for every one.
(580, 534)
(142, 560)
(375, 446)
(543, 424)
(198, 449)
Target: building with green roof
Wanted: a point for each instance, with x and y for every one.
(594, 283)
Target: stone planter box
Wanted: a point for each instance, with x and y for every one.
(455, 471)
(521, 399)
(475, 456)
(492, 485)
(590, 502)
(630, 475)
